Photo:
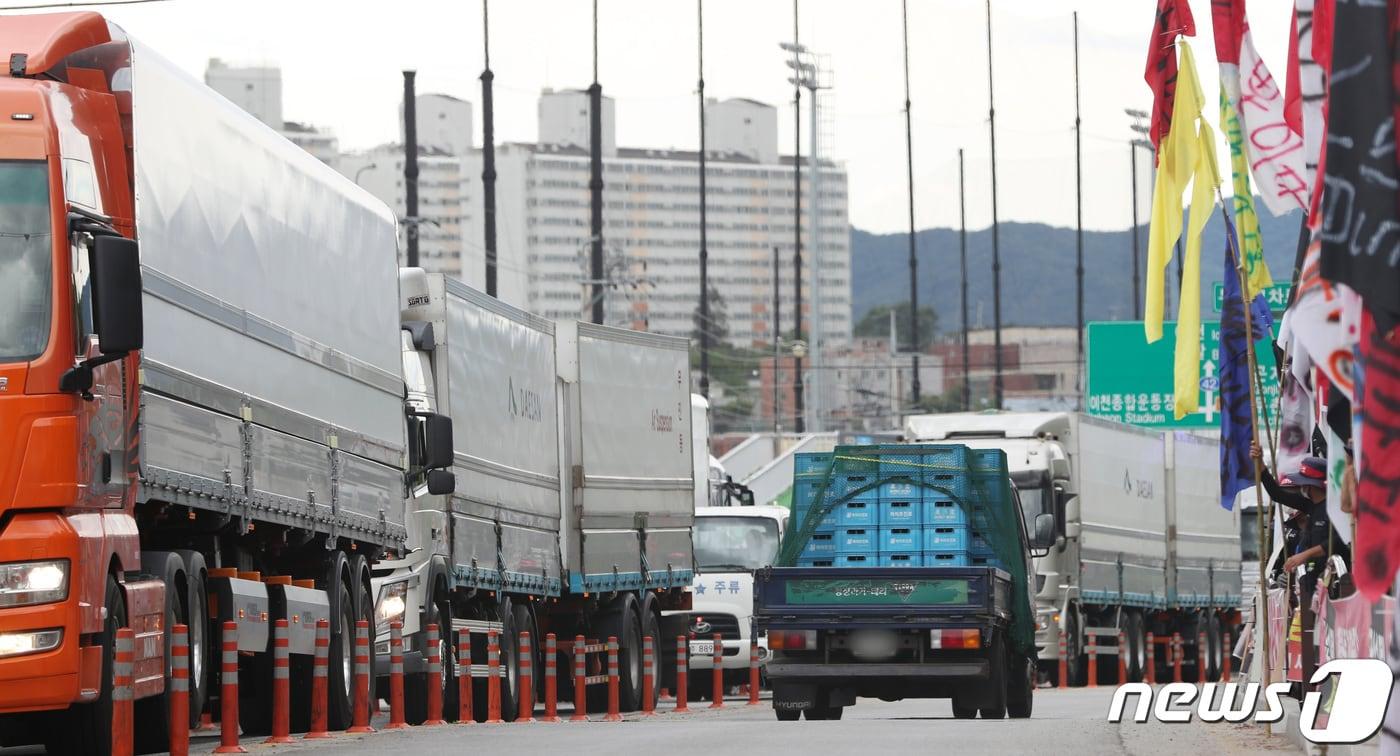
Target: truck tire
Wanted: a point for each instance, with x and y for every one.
(152, 715)
(962, 709)
(994, 691)
(1074, 647)
(651, 627)
(625, 624)
(87, 728)
(1137, 645)
(1214, 649)
(1020, 687)
(197, 618)
(415, 694)
(364, 610)
(342, 655)
(788, 715)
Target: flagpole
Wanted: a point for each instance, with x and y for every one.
(1261, 628)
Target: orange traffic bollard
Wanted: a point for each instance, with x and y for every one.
(648, 678)
(1064, 661)
(396, 716)
(1177, 653)
(465, 715)
(320, 668)
(1150, 672)
(1226, 652)
(1122, 658)
(753, 674)
(228, 717)
(123, 661)
(179, 691)
(360, 701)
(281, 683)
(526, 678)
(1092, 679)
(717, 674)
(551, 679)
(434, 681)
(614, 706)
(580, 682)
(493, 678)
(682, 673)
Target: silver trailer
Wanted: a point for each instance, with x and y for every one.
(1144, 545)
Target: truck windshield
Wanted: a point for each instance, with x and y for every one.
(26, 260)
(1249, 535)
(735, 544)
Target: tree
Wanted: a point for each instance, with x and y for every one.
(876, 324)
(718, 327)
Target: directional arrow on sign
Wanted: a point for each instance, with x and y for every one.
(1209, 384)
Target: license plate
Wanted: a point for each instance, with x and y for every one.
(702, 648)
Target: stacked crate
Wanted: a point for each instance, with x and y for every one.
(909, 519)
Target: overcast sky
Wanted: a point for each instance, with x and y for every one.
(341, 64)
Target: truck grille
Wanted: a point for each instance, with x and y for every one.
(727, 625)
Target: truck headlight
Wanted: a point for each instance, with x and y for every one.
(390, 605)
(26, 583)
(18, 644)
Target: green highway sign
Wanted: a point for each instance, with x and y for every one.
(1130, 381)
(1276, 296)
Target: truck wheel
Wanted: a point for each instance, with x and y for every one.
(1020, 687)
(788, 715)
(1074, 646)
(962, 709)
(364, 610)
(625, 624)
(1137, 642)
(87, 728)
(152, 715)
(1214, 651)
(197, 618)
(994, 692)
(342, 658)
(415, 694)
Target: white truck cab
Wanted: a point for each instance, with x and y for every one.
(731, 543)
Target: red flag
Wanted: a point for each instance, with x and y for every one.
(1172, 20)
(1377, 548)
(1228, 20)
(1292, 92)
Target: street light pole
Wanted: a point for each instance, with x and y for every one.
(410, 165)
(362, 169)
(914, 387)
(996, 248)
(704, 251)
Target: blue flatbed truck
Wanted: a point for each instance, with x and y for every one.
(961, 629)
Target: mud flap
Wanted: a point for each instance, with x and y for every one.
(145, 611)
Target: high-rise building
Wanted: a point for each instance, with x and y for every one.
(258, 90)
(652, 225)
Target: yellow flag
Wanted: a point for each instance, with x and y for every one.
(1249, 243)
(1176, 160)
(1205, 182)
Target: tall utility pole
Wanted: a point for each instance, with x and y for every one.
(913, 255)
(777, 347)
(488, 152)
(595, 180)
(1137, 275)
(807, 73)
(704, 251)
(1079, 222)
(962, 250)
(996, 248)
(797, 399)
(410, 166)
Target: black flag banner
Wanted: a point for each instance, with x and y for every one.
(1360, 230)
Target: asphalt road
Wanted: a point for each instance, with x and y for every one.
(1069, 722)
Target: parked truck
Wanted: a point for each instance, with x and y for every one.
(202, 413)
(575, 489)
(937, 605)
(1142, 543)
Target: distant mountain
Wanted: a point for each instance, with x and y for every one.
(1037, 271)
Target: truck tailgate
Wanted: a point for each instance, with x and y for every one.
(841, 596)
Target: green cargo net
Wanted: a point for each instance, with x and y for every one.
(919, 505)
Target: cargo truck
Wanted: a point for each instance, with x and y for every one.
(946, 615)
(1142, 545)
(202, 413)
(575, 489)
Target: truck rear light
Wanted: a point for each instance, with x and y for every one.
(793, 640)
(964, 638)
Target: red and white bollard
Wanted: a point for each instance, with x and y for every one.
(1202, 660)
(281, 684)
(1122, 658)
(396, 714)
(648, 678)
(1092, 680)
(526, 679)
(465, 715)
(493, 678)
(1064, 661)
(123, 661)
(1150, 672)
(717, 674)
(753, 674)
(179, 691)
(1177, 653)
(228, 718)
(614, 704)
(1227, 651)
(360, 701)
(682, 674)
(551, 678)
(434, 680)
(320, 669)
(580, 682)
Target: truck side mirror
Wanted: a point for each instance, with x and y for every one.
(441, 482)
(437, 430)
(1044, 533)
(116, 294)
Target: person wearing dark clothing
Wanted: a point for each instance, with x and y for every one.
(1308, 534)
